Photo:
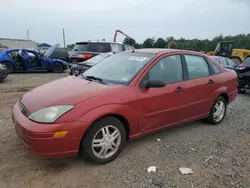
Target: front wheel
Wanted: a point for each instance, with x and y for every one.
(103, 141)
(218, 111)
(57, 67)
(9, 66)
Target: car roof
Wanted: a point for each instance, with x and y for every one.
(96, 41)
(164, 50)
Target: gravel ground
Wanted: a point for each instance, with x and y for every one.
(218, 155)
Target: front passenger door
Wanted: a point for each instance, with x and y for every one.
(165, 106)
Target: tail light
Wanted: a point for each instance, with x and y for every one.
(85, 56)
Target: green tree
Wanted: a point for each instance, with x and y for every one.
(159, 43)
(148, 43)
(70, 47)
(129, 41)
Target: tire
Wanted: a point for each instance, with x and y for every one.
(58, 67)
(9, 66)
(212, 119)
(91, 153)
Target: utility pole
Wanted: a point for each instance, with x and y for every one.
(63, 38)
(28, 34)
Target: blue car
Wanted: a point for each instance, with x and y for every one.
(18, 60)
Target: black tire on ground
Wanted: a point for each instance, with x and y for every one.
(242, 91)
(9, 66)
(87, 152)
(211, 119)
(2, 79)
(58, 67)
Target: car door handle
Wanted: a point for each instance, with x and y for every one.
(211, 81)
(179, 89)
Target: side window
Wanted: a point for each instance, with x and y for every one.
(197, 66)
(168, 69)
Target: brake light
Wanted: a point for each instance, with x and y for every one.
(85, 56)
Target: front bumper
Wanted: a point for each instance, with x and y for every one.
(38, 138)
(242, 83)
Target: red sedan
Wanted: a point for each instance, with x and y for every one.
(126, 96)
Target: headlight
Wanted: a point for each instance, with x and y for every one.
(50, 114)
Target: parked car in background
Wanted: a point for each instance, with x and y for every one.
(244, 75)
(225, 62)
(3, 72)
(79, 68)
(86, 50)
(96, 113)
(31, 60)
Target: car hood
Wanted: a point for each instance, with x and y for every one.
(69, 90)
(51, 50)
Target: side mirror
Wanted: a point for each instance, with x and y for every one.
(152, 84)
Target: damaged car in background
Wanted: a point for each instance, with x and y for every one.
(78, 68)
(21, 60)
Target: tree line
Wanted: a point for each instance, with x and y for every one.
(240, 41)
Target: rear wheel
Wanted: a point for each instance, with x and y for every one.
(218, 111)
(103, 141)
(9, 66)
(57, 67)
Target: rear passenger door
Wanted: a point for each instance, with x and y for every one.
(201, 85)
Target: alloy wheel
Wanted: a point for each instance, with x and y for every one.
(106, 142)
(219, 111)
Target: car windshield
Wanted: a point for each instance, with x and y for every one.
(120, 68)
(246, 62)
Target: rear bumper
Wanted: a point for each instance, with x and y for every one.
(39, 139)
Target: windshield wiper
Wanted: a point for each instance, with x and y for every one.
(94, 78)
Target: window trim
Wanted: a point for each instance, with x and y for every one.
(159, 59)
(210, 70)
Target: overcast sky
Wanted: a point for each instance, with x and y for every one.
(97, 19)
